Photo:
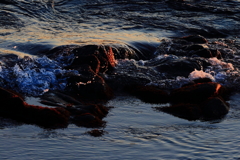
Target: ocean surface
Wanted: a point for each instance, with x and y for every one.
(134, 129)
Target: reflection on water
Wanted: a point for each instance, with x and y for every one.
(134, 130)
(64, 21)
(69, 22)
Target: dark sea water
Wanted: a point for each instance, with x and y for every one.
(134, 130)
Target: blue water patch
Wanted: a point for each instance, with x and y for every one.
(35, 76)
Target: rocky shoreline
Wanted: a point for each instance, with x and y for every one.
(105, 70)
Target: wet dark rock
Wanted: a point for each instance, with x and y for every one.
(195, 39)
(107, 53)
(202, 80)
(90, 86)
(201, 101)
(196, 47)
(84, 118)
(149, 94)
(119, 82)
(216, 53)
(182, 110)
(203, 52)
(13, 106)
(82, 113)
(190, 47)
(72, 111)
(211, 109)
(135, 51)
(144, 50)
(196, 81)
(103, 54)
(179, 67)
(206, 53)
(56, 52)
(90, 60)
(196, 93)
(96, 132)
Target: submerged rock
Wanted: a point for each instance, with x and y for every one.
(212, 109)
(185, 111)
(96, 132)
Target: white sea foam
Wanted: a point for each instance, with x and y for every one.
(200, 74)
(222, 65)
(34, 76)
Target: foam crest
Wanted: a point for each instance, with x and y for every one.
(222, 65)
(200, 74)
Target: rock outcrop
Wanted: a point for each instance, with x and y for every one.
(200, 101)
(102, 70)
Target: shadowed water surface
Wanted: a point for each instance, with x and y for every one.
(134, 129)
